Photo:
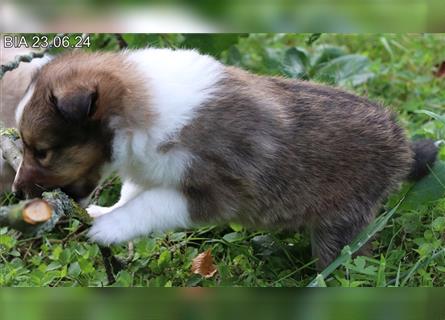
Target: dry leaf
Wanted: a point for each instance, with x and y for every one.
(203, 265)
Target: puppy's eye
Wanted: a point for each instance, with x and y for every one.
(41, 154)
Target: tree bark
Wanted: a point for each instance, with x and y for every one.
(8, 147)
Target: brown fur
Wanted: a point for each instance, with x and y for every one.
(285, 153)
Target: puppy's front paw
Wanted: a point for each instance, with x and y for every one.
(97, 211)
(113, 228)
(108, 230)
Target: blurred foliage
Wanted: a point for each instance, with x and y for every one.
(396, 70)
(221, 304)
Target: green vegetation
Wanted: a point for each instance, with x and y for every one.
(396, 70)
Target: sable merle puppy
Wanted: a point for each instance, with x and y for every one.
(196, 142)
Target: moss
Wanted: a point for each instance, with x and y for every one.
(9, 132)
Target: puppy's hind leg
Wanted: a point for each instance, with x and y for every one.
(331, 234)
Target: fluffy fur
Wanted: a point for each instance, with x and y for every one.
(197, 142)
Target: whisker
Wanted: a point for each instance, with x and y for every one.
(39, 186)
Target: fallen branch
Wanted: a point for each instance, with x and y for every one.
(37, 216)
(25, 213)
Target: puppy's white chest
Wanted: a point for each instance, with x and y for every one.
(137, 157)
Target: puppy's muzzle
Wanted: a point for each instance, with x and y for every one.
(26, 185)
(22, 190)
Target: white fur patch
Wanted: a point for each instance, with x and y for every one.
(23, 103)
(153, 210)
(178, 82)
(14, 188)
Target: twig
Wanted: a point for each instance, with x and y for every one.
(25, 58)
(130, 252)
(111, 263)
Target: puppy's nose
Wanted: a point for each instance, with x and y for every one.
(17, 191)
(19, 194)
(26, 191)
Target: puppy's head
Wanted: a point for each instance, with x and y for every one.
(63, 124)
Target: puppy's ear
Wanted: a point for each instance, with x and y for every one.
(77, 106)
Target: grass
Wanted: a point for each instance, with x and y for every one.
(408, 251)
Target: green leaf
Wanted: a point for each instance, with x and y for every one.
(438, 224)
(74, 269)
(86, 266)
(177, 236)
(65, 256)
(234, 57)
(319, 281)
(436, 116)
(53, 266)
(360, 266)
(233, 237)
(386, 45)
(351, 69)
(272, 60)
(7, 242)
(164, 259)
(381, 278)
(296, 62)
(427, 190)
(325, 53)
(264, 245)
(123, 279)
(55, 255)
(236, 227)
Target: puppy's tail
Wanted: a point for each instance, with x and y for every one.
(425, 154)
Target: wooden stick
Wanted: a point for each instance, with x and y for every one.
(38, 216)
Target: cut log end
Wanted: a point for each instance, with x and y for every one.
(37, 211)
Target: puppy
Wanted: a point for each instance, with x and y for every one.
(197, 142)
(12, 87)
